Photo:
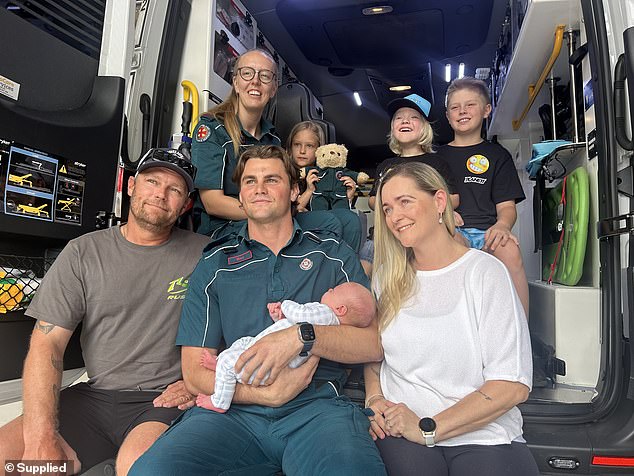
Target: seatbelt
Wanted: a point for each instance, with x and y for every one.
(562, 204)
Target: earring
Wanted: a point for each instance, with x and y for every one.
(439, 218)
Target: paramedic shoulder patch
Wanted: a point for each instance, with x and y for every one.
(203, 133)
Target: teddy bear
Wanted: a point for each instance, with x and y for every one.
(330, 192)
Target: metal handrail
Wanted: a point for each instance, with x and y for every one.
(533, 89)
(191, 91)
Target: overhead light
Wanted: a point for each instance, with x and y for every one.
(378, 10)
(448, 72)
(357, 98)
(482, 73)
(461, 70)
(403, 87)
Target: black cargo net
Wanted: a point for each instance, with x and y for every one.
(20, 277)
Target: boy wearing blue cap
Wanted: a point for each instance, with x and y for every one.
(486, 180)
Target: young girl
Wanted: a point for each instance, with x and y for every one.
(301, 145)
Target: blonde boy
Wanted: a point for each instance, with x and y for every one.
(486, 180)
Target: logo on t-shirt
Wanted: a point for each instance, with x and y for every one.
(480, 180)
(477, 164)
(177, 288)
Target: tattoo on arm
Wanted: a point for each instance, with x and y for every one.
(44, 328)
(57, 364)
(486, 397)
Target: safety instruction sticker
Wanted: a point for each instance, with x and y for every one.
(71, 178)
(40, 186)
(9, 88)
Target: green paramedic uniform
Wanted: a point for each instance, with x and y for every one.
(227, 298)
(213, 155)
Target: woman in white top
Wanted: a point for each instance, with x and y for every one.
(457, 349)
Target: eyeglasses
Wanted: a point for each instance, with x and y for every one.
(170, 156)
(264, 75)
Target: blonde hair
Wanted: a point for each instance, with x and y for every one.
(395, 274)
(424, 141)
(227, 111)
(470, 83)
(305, 126)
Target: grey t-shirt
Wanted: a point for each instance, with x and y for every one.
(129, 299)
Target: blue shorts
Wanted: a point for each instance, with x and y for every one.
(367, 251)
(474, 236)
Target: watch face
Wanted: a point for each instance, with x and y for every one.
(427, 424)
(307, 331)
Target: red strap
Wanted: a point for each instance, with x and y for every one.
(561, 236)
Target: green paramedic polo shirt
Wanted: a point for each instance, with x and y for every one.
(237, 277)
(213, 155)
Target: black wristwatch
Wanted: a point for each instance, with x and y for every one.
(307, 336)
(428, 430)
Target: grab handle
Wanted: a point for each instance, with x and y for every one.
(624, 73)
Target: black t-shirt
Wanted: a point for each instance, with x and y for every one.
(435, 160)
(485, 176)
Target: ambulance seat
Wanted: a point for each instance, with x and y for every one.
(295, 103)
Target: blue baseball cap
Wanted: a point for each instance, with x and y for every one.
(414, 101)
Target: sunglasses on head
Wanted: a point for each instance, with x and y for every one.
(172, 157)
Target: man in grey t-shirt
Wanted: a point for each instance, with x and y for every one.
(125, 285)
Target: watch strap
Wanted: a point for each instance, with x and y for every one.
(427, 427)
(308, 344)
(429, 437)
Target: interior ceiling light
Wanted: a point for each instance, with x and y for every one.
(404, 87)
(357, 98)
(461, 70)
(482, 73)
(378, 10)
(448, 72)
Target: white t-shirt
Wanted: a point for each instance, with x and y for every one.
(464, 325)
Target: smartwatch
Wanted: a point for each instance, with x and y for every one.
(427, 428)
(307, 336)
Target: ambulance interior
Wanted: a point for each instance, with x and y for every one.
(338, 49)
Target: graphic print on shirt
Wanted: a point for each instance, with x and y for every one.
(477, 164)
(177, 288)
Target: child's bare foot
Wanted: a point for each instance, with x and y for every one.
(204, 401)
(207, 360)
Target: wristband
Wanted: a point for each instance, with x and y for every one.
(368, 400)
